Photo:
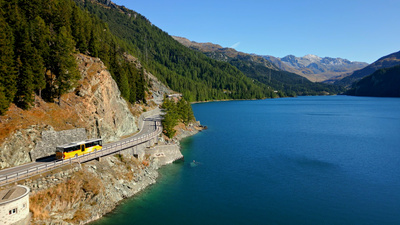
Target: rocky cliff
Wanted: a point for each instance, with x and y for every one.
(95, 105)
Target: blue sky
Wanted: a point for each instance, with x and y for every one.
(358, 30)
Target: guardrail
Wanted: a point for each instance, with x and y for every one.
(107, 149)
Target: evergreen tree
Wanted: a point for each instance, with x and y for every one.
(40, 38)
(30, 65)
(64, 64)
(94, 44)
(8, 79)
(180, 111)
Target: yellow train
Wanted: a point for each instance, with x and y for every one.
(76, 149)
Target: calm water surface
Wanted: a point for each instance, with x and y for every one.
(305, 160)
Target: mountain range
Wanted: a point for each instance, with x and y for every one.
(316, 68)
(262, 70)
(220, 53)
(312, 67)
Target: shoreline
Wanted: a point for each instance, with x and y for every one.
(184, 134)
(99, 186)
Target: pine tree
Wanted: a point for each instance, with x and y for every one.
(30, 75)
(94, 44)
(40, 37)
(8, 79)
(64, 64)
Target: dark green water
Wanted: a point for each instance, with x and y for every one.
(306, 160)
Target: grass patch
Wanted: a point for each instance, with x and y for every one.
(82, 186)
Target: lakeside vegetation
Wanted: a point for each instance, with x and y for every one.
(175, 112)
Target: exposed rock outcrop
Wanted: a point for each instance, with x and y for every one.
(98, 188)
(106, 113)
(95, 105)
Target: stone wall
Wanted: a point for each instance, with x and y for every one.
(165, 154)
(51, 139)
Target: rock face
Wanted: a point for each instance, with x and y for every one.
(99, 102)
(95, 106)
(16, 149)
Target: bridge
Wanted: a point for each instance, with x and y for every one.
(150, 130)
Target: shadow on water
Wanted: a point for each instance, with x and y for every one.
(304, 162)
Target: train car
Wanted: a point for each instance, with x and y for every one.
(76, 149)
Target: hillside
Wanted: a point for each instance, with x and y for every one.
(382, 83)
(219, 53)
(384, 62)
(38, 43)
(198, 77)
(260, 69)
(315, 68)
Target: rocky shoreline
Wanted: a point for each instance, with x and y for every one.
(99, 186)
(81, 193)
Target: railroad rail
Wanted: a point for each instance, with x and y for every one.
(108, 149)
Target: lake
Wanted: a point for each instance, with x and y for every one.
(304, 160)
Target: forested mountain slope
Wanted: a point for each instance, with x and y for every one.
(262, 70)
(38, 46)
(198, 77)
(382, 83)
(40, 39)
(384, 62)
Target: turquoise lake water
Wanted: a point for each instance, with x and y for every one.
(305, 160)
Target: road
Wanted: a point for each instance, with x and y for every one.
(151, 129)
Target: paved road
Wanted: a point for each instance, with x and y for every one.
(151, 128)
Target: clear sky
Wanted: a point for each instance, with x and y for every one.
(357, 30)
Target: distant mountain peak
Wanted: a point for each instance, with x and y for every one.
(312, 57)
(316, 68)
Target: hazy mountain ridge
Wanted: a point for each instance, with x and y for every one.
(383, 62)
(316, 68)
